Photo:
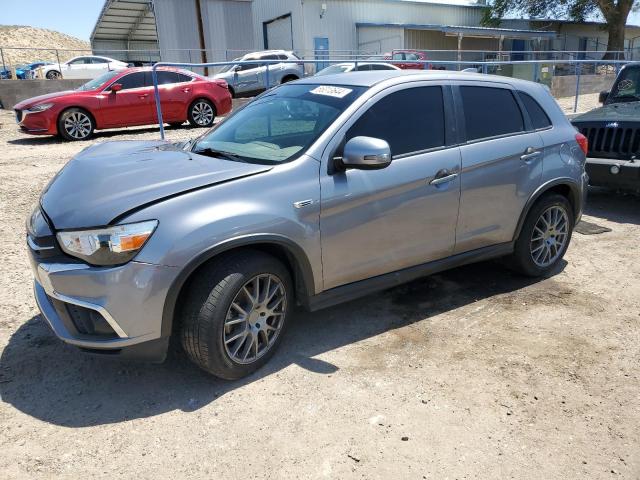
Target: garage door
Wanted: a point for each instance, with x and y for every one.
(277, 33)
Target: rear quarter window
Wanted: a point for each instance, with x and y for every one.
(538, 116)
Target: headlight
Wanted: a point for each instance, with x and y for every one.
(40, 108)
(107, 246)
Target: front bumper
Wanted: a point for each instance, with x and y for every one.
(602, 173)
(37, 123)
(130, 298)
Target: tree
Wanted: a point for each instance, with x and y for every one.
(614, 12)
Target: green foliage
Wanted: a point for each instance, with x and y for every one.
(577, 10)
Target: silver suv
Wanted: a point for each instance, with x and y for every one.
(317, 192)
(247, 79)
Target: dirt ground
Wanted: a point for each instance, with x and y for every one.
(474, 373)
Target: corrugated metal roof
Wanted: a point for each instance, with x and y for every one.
(468, 31)
(129, 20)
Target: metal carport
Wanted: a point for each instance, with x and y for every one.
(126, 25)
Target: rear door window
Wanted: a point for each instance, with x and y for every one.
(538, 116)
(410, 120)
(166, 78)
(506, 116)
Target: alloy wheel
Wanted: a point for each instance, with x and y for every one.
(255, 318)
(78, 125)
(202, 113)
(549, 236)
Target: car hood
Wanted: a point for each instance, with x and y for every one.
(623, 112)
(29, 102)
(107, 180)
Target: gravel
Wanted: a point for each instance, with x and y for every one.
(435, 361)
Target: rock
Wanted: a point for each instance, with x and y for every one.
(405, 439)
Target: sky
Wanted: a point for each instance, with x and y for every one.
(73, 17)
(78, 17)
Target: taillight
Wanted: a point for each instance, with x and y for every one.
(583, 143)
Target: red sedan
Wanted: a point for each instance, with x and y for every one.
(408, 59)
(125, 98)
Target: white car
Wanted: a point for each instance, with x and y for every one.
(351, 67)
(86, 67)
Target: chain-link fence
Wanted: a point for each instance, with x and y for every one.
(574, 78)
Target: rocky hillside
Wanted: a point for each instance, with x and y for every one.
(24, 36)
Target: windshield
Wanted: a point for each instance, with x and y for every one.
(627, 86)
(279, 125)
(334, 69)
(226, 68)
(97, 82)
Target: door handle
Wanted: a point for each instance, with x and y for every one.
(186, 90)
(529, 154)
(443, 178)
(143, 96)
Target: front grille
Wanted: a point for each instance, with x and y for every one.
(18, 115)
(618, 142)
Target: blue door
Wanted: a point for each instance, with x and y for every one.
(518, 46)
(321, 51)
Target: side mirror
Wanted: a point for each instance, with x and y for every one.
(603, 96)
(116, 87)
(237, 68)
(366, 153)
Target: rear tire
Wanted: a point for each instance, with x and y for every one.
(228, 327)
(76, 124)
(202, 113)
(544, 237)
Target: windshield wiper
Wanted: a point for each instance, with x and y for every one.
(210, 152)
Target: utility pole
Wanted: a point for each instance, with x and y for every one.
(203, 45)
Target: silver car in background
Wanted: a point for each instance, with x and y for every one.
(248, 79)
(317, 192)
(347, 67)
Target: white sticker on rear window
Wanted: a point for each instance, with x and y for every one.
(338, 92)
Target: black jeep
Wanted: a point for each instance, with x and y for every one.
(613, 131)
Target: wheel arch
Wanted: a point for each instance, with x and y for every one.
(289, 77)
(566, 187)
(284, 249)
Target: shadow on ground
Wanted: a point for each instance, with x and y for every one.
(619, 207)
(51, 381)
(44, 378)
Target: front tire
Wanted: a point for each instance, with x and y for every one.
(235, 313)
(53, 75)
(202, 113)
(76, 124)
(544, 237)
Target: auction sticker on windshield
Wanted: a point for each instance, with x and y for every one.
(338, 92)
